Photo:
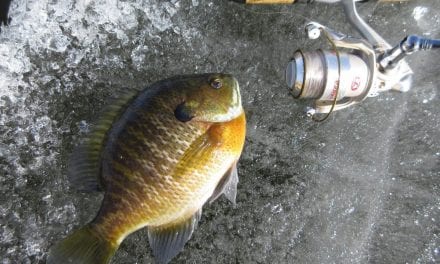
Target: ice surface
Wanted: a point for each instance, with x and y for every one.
(360, 187)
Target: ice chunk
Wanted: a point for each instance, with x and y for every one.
(138, 57)
(419, 12)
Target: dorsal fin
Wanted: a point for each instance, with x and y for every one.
(85, 162)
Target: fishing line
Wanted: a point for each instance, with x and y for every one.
(332, 43)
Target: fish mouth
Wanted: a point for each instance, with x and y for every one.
(237, 98)
(236, 108)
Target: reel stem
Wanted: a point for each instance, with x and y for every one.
(408, 45)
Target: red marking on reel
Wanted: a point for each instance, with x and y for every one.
(335, 88)
(356, 83)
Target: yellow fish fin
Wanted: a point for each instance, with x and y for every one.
(197, 152)
(227, 185)
(85, 162)
(82, 246)
(168, 240)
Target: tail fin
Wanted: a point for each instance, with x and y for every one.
(82, 247)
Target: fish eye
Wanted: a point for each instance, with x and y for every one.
(216, 83)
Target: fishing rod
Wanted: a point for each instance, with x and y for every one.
(354, 69)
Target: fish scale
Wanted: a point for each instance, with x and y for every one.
(154, 155)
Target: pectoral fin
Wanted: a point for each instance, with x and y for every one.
(168, 240)
(227, 185)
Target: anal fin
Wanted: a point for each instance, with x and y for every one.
(227, 185)
(168, 240)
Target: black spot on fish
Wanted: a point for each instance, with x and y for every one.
(182, 114)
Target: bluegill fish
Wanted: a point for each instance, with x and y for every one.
(159, 154)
